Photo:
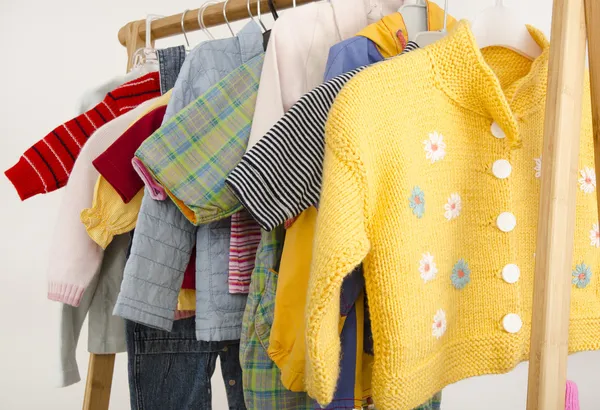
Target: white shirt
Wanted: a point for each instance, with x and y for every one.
(297, 54)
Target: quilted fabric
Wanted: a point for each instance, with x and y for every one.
(154, 256)
(223, 321)
(153, 274)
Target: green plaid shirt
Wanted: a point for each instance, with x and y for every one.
(192, 154)
(260, 375)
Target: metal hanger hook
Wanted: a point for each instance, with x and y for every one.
(258, 13)
(225, 17)
(252, 17)
(183, 26)
(201, 18)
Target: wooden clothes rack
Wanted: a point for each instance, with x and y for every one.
(556, 221)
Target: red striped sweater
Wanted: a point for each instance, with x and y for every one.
(46, 166)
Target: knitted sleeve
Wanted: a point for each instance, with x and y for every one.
(47, 165)
(341, 243)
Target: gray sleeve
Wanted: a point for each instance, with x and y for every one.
(71, 323)
(160, 252)
(106, 332)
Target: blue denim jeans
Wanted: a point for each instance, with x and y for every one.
(172, 370)
(170, 61)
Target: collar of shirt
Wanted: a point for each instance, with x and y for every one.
(390, 34)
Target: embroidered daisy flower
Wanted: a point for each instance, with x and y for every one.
(438, 328)
(587, 182)
(453, 207)
(435, 147)
(538, 167)
(461, 274)
(595, 236)
(582, 275)
(427, 267)
(417, 201)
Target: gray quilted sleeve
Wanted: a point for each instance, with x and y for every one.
(160, 252)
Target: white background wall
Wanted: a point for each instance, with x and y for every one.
(51, 52)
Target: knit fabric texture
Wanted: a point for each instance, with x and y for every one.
(46, 166)
(571, 396)
(75, 258)
(441, 206)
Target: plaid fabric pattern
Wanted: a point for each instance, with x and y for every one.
(434, 403)
(192, 154)
(261, 377)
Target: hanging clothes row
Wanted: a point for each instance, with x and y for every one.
(346, 219)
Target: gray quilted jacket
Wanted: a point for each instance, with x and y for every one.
(163, 237)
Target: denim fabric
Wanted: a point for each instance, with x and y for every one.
(174, 370)
(347, 379)
(170, 61)
(352, 287)
(368, 333)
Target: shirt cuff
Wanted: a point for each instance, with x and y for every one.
(25, 179)
(65, 293)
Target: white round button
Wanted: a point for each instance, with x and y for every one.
(501, 169)
(512, 323)
(511, 273)
(497, 131)
(506, 221)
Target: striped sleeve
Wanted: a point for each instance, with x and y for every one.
(281, 175)
(47, 165)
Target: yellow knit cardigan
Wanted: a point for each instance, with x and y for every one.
(431, 179)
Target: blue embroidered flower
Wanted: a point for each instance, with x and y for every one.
(461, 274)
(582, 275)
(417, 201)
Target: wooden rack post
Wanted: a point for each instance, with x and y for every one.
(556, 222)
(133, 36)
